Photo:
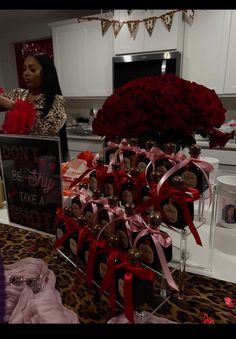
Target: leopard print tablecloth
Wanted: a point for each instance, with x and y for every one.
(202, 294)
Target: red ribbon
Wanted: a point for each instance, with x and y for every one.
(109, 281)
(101, 171)
(120, 178)
(71, 226)
(83, 234)
(153, 201)
(181, 197)
(203, 165)
(79, 179)
(102, 245)
(59, 215)
(159, 238)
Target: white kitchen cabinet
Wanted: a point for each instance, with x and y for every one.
(83, 58)
(206, 45)
(161, 39)
(123, 43)
(230, 74)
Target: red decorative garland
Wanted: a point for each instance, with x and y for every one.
(20, 119)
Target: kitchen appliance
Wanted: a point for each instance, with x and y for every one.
(130, 66)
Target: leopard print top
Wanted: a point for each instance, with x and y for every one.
(52, 122)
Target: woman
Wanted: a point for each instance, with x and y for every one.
(43, 91)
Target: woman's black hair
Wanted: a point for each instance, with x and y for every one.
(51, 87)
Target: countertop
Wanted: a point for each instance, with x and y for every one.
(85, 137)
(82, 131)
(228, 147)
(204, 143)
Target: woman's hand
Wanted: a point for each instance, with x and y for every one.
(6, 103)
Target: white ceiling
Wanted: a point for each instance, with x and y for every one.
(12, 17)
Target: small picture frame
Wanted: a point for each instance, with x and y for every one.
(226, 215)
(229, 214)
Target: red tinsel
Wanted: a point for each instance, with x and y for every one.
(20, 119)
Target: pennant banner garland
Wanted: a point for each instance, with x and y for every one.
(132, 26)
(149, 24)
(105, 25)
(116, 26)
(167, 19)
(188, 16)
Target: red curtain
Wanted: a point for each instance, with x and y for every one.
(22, 49)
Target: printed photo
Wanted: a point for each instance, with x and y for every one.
(229, 214)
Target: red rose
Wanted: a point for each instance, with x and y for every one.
(159, 104)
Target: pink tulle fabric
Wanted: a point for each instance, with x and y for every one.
(25, 306)
(142, 318)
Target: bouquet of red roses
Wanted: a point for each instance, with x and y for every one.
(166, 106)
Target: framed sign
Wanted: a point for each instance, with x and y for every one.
(32, 180)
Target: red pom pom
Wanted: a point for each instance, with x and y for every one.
(20, 119)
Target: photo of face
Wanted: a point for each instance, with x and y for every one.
(142, 166)
(171, 213)
(127, 164)
(76, 210)
(89, 217)
(147, 254)
(108, 189)
(93, 183)
(127, 197)
(229, 214)
(123, 239)
(121, 287)
(150, 209)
